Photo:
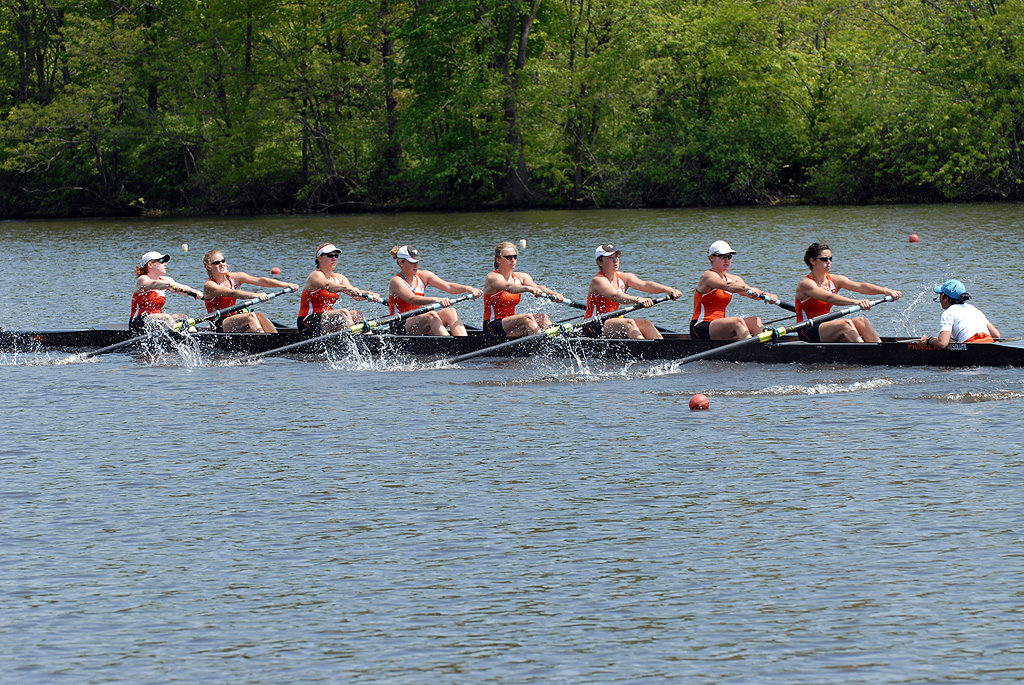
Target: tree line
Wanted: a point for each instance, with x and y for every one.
(218, 106)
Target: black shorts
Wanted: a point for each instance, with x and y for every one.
(594, 329)
(494, 327)
(137, 325)
(309, 324)
(700, 331)
(218, 325)
(398, 327)
(811, 334)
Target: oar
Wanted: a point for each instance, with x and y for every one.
(785, 305)
(363, 327)
(776, 333)
(582, 305)
(553, 331)
(188, 323)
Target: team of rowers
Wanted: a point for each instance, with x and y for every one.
(816, 294)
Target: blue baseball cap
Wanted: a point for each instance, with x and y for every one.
(952, 289)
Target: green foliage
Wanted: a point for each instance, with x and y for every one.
(317, 105)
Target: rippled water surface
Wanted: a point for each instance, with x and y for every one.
(177, 518)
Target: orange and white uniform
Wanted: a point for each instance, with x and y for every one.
(502, 303)
(808, 308)
(316, 302)
(223, 302)
(399, 306)
(147, 302)
(598, 304)
(710, 305)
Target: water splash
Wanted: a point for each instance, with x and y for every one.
(816, 389)
(974, 397)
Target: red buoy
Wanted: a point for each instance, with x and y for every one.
(276, 270)
(914, 238)
(699, 402)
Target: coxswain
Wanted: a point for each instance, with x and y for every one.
(320, 293)
(503, 290)
(407, 291)
(608, 290)
(818, 291)
(221, 291)
(960, 322)
(713, 294)
(151, 281)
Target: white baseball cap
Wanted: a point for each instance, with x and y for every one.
(606, 251)
(408, 253)
(329, 247)
(154, 256)
(720, 247)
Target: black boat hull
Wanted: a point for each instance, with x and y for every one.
(890, 352)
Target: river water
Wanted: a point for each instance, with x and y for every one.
(179, 519)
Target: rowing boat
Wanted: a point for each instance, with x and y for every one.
(788, 350)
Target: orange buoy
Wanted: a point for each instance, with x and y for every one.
(699, 402)
(915, 238)
(276, 270)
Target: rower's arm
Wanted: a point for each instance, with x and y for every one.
(653, 287)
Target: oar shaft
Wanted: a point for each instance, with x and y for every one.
(186, 323)
(552, 331)
(582, 305)
(781, 331)
(354, 330)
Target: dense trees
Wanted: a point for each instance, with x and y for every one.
(127, 106)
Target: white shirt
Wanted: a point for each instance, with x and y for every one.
(964, 320)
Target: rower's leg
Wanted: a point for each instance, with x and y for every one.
(865, 329)
(648, 329)
(729, 328)
(265, 323)
(840, 330)
(519, 324)
(451, 319)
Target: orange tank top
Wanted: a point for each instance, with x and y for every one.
(808, 308)
(317, 301)
(147, 302)
(222, 302)
(502, 303)
(710, 305)
(598, 304)
(399, 306)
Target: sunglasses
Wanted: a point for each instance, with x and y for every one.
(219, 261)
(725, 256)
(824, 259)
(510, 257)
(332, 255)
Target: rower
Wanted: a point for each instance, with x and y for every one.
(819, 290)
(406, 292)
(151, 281)
(960, 322)
(502, 292)
(221, 291)
(320, 292)
(713, 293)
(608, 290)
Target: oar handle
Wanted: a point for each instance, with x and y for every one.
(566, 301)
(785, 305)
